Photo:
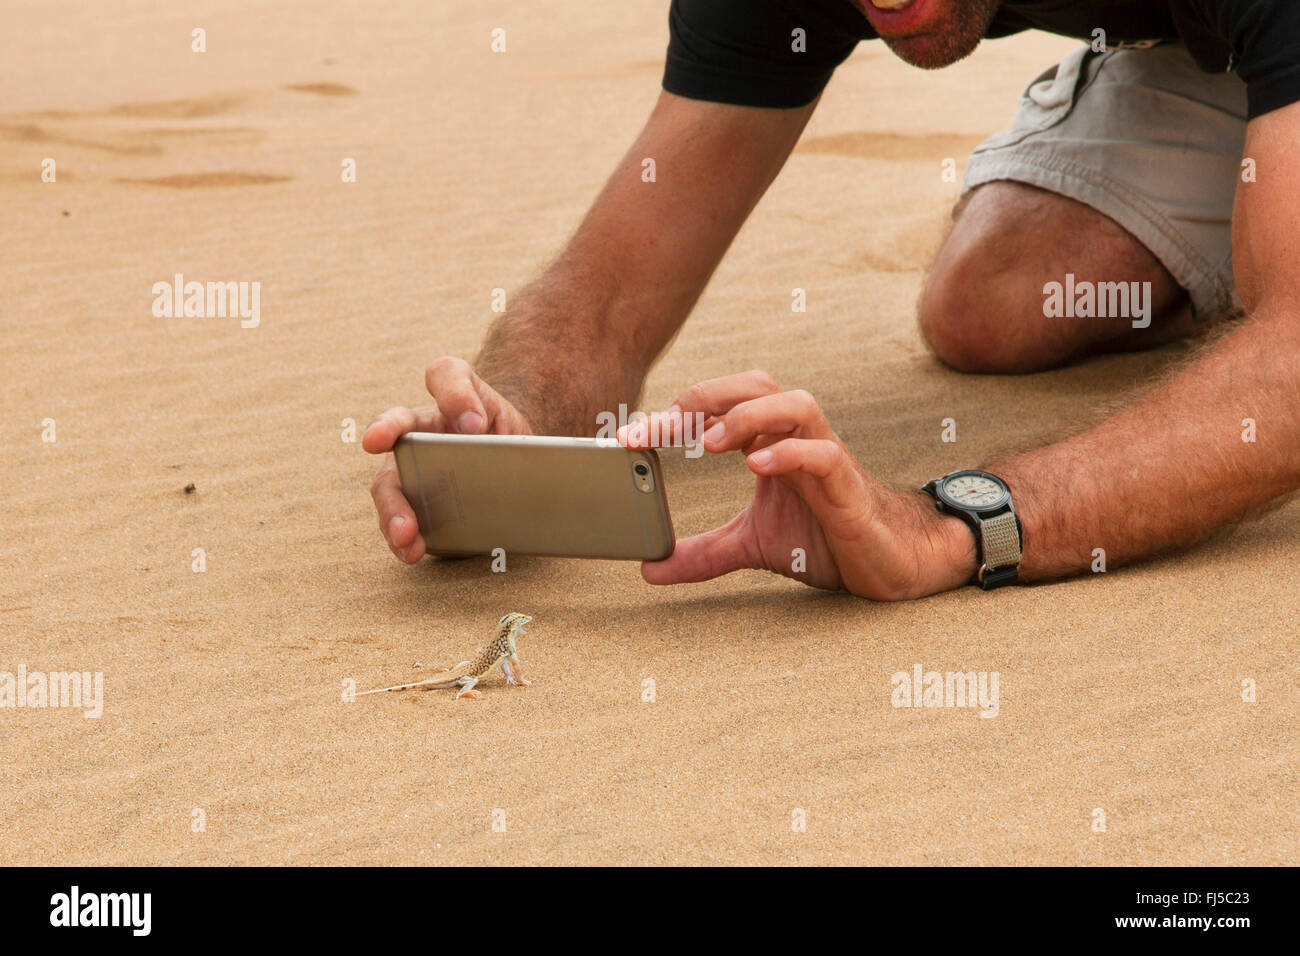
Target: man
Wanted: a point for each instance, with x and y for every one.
(1122, 166)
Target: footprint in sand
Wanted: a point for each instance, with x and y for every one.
(321, 89)
(93, 134)
(141, 142)
(190, 108)
(35, 133)
(200, 180)
(894, 147)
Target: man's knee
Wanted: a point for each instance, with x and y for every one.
(975, 320)
(982, 308)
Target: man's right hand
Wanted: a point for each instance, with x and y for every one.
(464, 405)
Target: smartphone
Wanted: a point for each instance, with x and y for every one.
(533, 494)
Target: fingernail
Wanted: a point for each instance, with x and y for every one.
(714, 434)
(393, 527)
(469, 423)
(760, 458)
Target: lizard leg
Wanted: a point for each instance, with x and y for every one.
(514, 673)
(435, 684)
(467, 689)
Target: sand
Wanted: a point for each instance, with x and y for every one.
(224, 736)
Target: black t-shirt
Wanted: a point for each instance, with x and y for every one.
(741, 51)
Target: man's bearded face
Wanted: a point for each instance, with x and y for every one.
(930, 33)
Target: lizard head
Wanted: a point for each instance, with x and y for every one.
(512, 624)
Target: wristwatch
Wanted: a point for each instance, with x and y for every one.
(983, 501)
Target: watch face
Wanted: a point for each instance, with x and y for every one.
(974, 490)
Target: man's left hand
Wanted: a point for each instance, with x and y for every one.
(810, 494)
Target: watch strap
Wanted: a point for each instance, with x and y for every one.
(1000, 540)
(990, 578)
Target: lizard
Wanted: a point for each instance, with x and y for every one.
(500, 650)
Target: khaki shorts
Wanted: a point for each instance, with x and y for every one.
(1145, 138)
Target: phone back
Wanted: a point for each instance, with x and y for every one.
(528, 494)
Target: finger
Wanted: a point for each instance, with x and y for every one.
(717, 396)
(821, 470)
(659, 430)
(784, 413)
(703, 556)
(384, 431)
(685, 420)
(396, 519)
(456, 388)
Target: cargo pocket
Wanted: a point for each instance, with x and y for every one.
(1049, 98)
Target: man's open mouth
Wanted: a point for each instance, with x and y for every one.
(893, 18)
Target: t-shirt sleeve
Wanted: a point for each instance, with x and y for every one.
(749, 53)
(1264, 39)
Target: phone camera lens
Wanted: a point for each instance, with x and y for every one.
(641, 468)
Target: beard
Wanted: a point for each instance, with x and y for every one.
(961, 32)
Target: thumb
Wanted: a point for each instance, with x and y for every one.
(703, 556)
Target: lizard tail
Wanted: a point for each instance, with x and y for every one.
(428, 685)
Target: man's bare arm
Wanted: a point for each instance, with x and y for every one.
(581, 338)
(1173, 466)
(1164, 472)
